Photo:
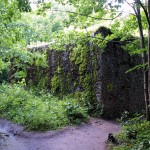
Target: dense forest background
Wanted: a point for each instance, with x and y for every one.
(71, 25)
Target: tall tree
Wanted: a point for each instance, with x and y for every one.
(148, 20)
(146, 8)
(136, 6)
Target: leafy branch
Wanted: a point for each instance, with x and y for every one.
(81, 14)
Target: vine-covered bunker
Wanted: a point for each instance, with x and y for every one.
(101, 76)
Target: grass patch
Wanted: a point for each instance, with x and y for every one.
(39, 112)
(135, 134)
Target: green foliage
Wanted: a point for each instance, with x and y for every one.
(1, 65)
(11, 35)
(46, 111)
(38, 112)
(87, 13)
(75, 113)
(57, 85)
(4, 75)
(137, 67)
(41, 28)
(135, 134)
(128, 31)
(43, 7)
(21, 59)
(24, 5)
(8, 16)
(84, 55)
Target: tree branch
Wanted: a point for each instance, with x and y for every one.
(145, 11)
(124, 12)
(89, 16)
(131, 5)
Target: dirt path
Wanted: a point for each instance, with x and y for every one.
(91, 136)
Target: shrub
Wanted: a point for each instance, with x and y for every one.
(135, 134)
(38, 112)
(75, 113)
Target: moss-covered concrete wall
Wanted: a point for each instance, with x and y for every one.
(121, 91)
(99, 75)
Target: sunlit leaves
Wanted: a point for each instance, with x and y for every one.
(38, 112)
(43, 7)
(9, 13)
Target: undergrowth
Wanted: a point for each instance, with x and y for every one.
(135, 134)
(40, 111)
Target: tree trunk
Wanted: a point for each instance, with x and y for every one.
(144, 57)
(148, 102)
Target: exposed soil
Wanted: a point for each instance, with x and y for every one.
(91, 136)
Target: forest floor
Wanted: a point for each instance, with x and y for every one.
(89, 136)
